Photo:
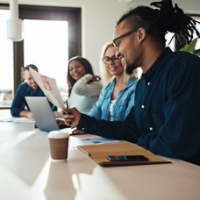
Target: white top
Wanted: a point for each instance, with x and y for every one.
(111, 110)
(84, 94)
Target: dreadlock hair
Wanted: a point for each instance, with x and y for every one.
(157, 22)
(88, 70)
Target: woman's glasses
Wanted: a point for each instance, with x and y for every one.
(113, 59)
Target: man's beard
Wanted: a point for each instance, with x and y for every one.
(130, 68)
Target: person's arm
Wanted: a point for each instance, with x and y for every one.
(117, 130)
(178, 135)
(84, 86)
(96, 109)
(125, 130)
(18, 101)
(26, 113)
(53, 107)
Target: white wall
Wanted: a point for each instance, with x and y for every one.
(99, 18)
(98, 22)
(188, 6)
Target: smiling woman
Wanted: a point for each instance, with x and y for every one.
(76, 70)
(84, 86)
(117, 98)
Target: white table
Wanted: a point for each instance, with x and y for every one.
(27, 173)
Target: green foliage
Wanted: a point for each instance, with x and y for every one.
(191, 47)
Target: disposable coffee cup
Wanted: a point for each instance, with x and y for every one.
(58, 143)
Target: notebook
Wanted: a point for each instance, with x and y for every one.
(100, 152)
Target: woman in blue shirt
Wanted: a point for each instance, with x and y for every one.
(117, 98)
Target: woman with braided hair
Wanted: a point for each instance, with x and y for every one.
(166, 114)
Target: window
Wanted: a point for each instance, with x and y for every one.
(6, 62)
(168, 37)
(15, 55)
(197, 18)
(46, 46)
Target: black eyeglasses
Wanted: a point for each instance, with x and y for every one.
(113, 59)
(121, 36)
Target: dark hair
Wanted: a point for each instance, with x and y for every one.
(30, 66)
(157, 22)
(86, 64)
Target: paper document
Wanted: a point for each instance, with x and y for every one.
(95, 140)
(49, 87)
(18, 120)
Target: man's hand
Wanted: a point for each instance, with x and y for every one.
(60, 122)
(30, 115)
(26, 113)
(73, 116)
(78, 131)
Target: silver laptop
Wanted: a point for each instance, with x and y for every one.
(42, 113)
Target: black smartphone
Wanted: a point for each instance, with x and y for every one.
(128, 158)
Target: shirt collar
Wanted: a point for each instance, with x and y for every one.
(130, 82)
(31, 89)
(157, 64)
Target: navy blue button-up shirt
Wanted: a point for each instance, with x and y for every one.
(166, 116)
(19, 101)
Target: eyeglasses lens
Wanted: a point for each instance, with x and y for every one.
(112, 59)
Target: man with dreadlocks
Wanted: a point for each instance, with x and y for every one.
(166, 115)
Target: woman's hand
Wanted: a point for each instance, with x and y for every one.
(96, 78)
(73, 116)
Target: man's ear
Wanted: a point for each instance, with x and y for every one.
(141, 35)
